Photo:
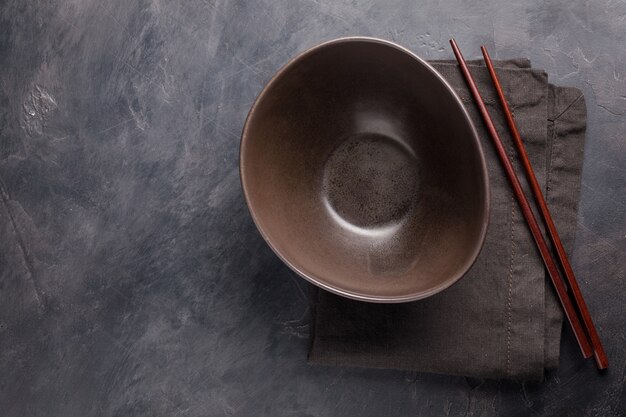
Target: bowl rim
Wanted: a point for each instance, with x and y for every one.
(474, 136)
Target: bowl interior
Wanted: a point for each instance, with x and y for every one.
(363, 172)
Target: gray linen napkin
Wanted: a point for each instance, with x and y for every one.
(502, 319)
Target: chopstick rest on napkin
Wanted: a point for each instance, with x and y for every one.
(501, 320)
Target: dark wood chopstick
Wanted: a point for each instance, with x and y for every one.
(579, 301)
(553, 272)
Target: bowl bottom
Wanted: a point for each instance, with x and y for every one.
(370, 183)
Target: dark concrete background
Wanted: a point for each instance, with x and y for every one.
(133, 281)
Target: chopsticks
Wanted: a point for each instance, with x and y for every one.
(599, 354)
(553, 272)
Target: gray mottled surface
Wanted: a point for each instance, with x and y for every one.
(132, 279)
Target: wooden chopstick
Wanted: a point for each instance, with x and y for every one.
(553, 272)
(600, 356)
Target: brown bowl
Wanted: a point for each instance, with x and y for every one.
(364, 173)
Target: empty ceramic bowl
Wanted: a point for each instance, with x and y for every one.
(364, 173)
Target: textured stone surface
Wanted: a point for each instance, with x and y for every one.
(132, 279)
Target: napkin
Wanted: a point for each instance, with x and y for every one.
(502, 319)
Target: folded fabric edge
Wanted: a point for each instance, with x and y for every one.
(568, 125)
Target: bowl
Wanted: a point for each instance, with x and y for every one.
(364, 173)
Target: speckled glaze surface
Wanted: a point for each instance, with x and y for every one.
(363, 172)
